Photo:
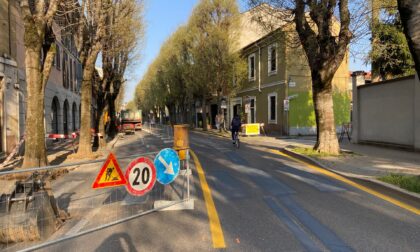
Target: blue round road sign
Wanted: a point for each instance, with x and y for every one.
(167, 166)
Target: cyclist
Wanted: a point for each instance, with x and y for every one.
(235, 126)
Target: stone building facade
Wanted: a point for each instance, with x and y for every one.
(62, 93)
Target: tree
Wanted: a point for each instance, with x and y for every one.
(131, 105)
(90, 29)
(410, 18)
(213, 24)
(39, 40)
(325, 45)
(196, 62)
(123, 31)
(390, 54)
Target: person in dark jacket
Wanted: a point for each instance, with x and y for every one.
(235, 126)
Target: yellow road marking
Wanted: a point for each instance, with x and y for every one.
(354, 184)
(215, 226)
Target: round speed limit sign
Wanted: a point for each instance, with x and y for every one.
(141, 176)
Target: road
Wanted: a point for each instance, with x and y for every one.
(263, 201)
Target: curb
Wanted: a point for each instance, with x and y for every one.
(209, 133)
(349, 175)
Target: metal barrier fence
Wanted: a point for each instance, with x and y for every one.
(42, 206)
(162, 130)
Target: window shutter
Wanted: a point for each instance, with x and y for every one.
(269, 59)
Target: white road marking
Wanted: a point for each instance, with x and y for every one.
(82, 223)
(318, 185)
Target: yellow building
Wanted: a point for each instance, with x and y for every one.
(277, 90)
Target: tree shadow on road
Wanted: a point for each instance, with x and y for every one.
(117, 242)
(64, 201)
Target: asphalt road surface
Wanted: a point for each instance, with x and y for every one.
(250, 199)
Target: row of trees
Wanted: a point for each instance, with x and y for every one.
(196, 63)
(189, 65)
(199, 61)
(107, 27)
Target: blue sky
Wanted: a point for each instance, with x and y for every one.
(162, 18)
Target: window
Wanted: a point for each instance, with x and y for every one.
(272, 108)
(74, 76)
(252, 110)
(272, 59)
(71, 75)
(57, 58)
(251, 67)
(65, 77)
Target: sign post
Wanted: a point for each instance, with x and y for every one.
(286, 104)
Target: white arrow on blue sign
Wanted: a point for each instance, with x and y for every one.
(167, 166)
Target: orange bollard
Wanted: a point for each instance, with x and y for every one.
(181, 140)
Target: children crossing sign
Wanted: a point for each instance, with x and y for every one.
(110, 174)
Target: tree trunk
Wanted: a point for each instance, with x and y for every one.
(185, 114)
(85, 147)
(219, 111)
(101, 130)
(175, 118)
(112, 129)
(35, 150)
(96, 127)
(410, 18)
(204, 114)
(99, 124)
(190, 118)
(327, 141)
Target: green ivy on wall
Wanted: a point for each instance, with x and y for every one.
(301, 113)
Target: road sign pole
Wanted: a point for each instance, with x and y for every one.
(188, 174)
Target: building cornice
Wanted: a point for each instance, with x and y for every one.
(272, 84)
(9, 62)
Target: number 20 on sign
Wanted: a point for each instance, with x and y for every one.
(141, 176)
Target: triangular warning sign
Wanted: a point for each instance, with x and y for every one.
(110, 174)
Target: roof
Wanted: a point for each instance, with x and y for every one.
(250, 29)
(257, 23)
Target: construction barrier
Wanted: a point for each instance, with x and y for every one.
(34, 207)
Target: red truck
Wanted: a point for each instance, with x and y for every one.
(130, 121)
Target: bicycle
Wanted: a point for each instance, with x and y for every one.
(236, 140)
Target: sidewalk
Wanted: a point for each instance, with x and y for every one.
(363, 160)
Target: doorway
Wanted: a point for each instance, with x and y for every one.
(74, 109)
(213, 113)
(54, 115)
(65, 117)
(237, 110)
